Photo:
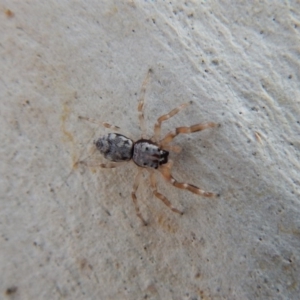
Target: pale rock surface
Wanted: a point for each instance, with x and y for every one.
(70, 232)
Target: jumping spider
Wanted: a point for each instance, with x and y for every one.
(150, 154)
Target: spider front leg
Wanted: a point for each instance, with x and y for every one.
(194, 128)
(173, 148)
(165, 170)
(141, 104)
(134, 198)
(157, 126)
(164, 199)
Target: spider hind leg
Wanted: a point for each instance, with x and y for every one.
(134, 197)
(141, 104)
(104, 124)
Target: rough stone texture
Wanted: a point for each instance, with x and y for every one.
(70, 232)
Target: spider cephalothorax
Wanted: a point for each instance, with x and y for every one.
(148, 154)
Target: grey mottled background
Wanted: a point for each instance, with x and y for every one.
(70, 232)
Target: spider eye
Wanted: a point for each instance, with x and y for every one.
(145, 164)
(147, 148)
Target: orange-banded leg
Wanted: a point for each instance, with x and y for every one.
(141, 104)
(134, 198)
(95, 164)
(194, 128)
(173, 148)
(104, 124)
(164, 199)
(157, 125)
(165, 170)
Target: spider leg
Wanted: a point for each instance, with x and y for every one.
(165, 170)
(194, 128)
(141, 104)
(134, 198)
(173, 148)
(104, 124)
(96, 164)
(164, 199)
(157, 126)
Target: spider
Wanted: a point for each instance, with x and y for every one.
(150, 154)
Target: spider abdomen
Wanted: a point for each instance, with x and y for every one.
(115, 147)
(148, 154)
